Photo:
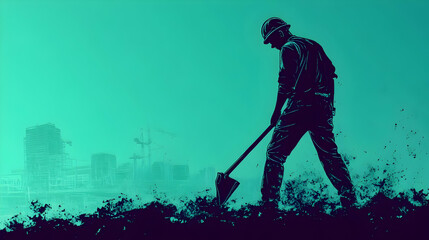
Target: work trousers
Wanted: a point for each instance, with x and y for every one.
(294, 122)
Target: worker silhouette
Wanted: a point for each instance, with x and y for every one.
(306, 79)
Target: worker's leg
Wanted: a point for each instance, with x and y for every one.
(335, 168)
(287, 133)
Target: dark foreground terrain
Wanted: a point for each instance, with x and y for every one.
(405, 216)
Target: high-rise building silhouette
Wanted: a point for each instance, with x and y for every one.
(103, 169)
(45, 160)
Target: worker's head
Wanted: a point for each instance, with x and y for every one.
(275, 31)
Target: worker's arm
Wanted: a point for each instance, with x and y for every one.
(287, 78)
(281, 99)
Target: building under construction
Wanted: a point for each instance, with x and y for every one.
(46, 163)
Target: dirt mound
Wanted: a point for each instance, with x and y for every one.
(401, 217)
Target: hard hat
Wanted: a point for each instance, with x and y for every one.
(271, 25)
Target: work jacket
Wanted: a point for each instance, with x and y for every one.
(306, 74)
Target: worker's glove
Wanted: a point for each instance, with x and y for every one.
(275, 117)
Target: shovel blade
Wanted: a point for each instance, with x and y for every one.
(225, 186)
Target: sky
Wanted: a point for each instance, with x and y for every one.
(197, 74)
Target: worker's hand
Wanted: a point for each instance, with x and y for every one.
(275, 118)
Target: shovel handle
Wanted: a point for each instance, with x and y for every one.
(238, 161)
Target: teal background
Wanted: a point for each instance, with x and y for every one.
(197, 74)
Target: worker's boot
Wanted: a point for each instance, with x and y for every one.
(271, 184)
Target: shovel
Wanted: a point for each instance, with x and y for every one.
(225, 185)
